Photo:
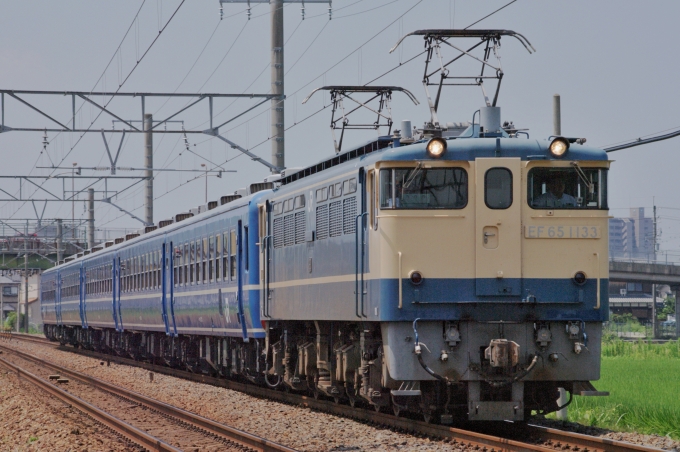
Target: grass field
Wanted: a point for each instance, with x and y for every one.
(644, 382)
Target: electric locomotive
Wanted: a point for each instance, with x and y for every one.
(452, 270)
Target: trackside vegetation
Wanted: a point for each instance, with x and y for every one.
(643, 381)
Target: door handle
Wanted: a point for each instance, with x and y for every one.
(487, 235)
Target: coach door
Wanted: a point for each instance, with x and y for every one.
(115, 293)
(239, 278)
(498, 227)
(57, 300)
(264, 217)
(82, 280)
(168, 289)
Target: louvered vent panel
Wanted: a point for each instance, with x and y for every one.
(336, 219)
(289, 230)
(349, 207)
(278, 233)
(300, 224)
(322, 222)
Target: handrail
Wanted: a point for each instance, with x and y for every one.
(266, 240)
(401, 295)
(597, 305)
(357, 312)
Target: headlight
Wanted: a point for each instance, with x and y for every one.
(436, 147)
(559, 146)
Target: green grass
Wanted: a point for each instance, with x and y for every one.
(644, 382)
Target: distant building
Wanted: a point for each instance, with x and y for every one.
(9, 295)
(632, 237)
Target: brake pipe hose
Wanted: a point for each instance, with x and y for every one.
(418, 352)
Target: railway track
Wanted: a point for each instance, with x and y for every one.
(149, 423)
(493, 437)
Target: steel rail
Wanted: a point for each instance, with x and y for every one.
(132, 433)
(550, 437)
(224, 431)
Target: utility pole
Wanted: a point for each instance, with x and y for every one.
(25, 284)
(206, 182)
(654, 320)
(148, 163)
(90, 217)
(60, 241)
(277, 72)
(73, 201)
(278, 123)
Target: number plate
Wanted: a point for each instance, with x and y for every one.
(562, 232)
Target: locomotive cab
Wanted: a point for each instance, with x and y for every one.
(497, 255)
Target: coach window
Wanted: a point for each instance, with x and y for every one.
(190, 262)
(198, 262)
(218, 257)
(176, 264)
(498, 188)
(232, 257)
(147, 273)
(225, 256)
(204, 263)
(245, 244)
(211, 257)
(187, 262)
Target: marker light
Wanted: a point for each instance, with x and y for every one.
(436, 147)
(580, 278)
(559, 147)
(416, 277)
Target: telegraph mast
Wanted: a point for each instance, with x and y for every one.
(277, 72)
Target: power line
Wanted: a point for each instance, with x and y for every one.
(489, 15)
(117, 90)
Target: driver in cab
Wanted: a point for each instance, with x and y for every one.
(555, 195)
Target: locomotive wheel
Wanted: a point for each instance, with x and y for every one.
(377, 408)
(427, 416)
(396, 409)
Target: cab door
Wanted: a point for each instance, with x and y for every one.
(498, 229)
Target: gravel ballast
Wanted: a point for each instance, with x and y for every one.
(296, 427)
(31, 420)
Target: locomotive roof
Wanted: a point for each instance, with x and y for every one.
(457, 149)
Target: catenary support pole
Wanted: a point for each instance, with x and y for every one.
(148, 163)
(60, 240)
(90, 217)
(19, 322)
(654, 322)
(277, 72)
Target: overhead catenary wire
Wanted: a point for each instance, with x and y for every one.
(326, 71)
(117, 90)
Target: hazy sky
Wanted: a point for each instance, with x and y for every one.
(615, 63)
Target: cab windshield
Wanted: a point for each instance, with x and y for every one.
(423, 188)
(567, 188)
